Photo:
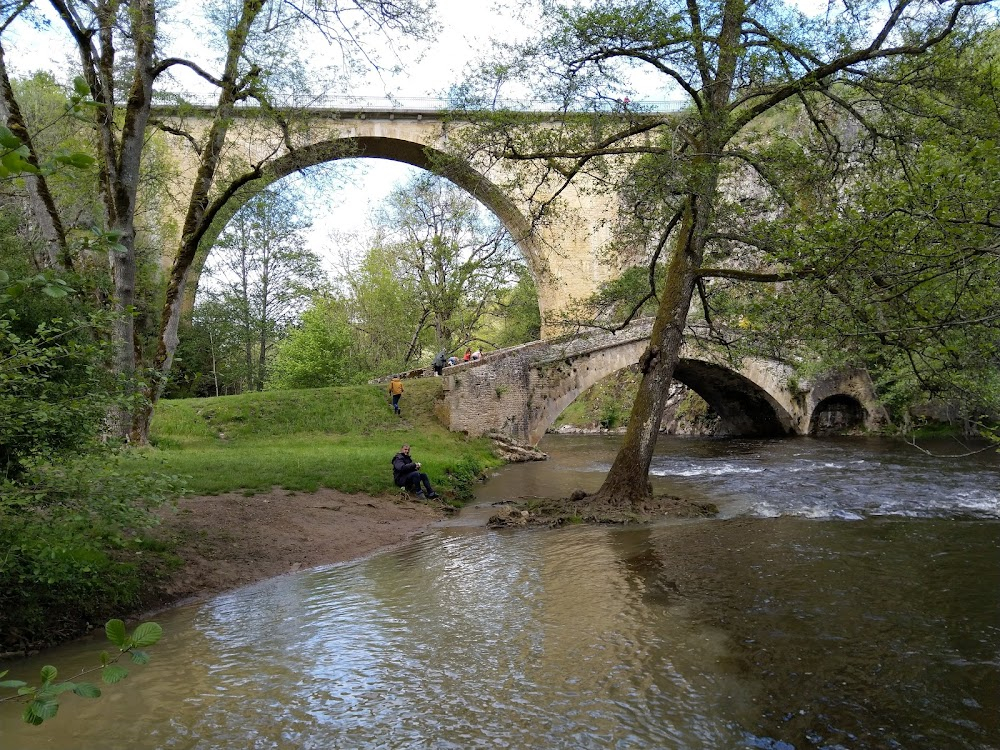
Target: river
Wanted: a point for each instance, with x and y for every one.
(847, 597)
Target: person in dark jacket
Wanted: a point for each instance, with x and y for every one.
(406, 473)
(440, 361)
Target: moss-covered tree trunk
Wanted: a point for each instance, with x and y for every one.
(627, 483)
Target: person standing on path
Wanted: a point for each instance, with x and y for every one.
(440, 361)
(396, 390)
(406, 473)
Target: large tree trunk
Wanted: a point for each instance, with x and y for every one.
(198, 215)
(627, 482)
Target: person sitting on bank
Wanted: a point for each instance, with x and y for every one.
(406, 473)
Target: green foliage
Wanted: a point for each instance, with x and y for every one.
(901, 273)
(438, 275)
(384, 308)
(42, 700)
(605, 404)
(611, 415)
(69, 534)
(70, 508)
(258, 278)
(629, 294)
(516, 320)
(53, 390)
(318, 351)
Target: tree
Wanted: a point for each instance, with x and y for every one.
(70, 506)
(124, 54)
(456, 258)
(318, 351)
(382, 307)
(262, 274)
(517, 319)
(905, 276)
(682, 175)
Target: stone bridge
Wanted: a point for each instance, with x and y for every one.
(561, 248)
(522, 390)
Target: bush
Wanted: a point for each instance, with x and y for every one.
(70, 539)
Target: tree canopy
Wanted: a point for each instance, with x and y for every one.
(784, 112)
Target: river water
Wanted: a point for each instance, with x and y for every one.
(848, 596)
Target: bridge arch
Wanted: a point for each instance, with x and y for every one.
(400, 150)
(745, 407)
(838, 413)
(522, 391)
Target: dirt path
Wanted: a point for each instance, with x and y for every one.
(231, 540)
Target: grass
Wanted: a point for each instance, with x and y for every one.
(341, 438)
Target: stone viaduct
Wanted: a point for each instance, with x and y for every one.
(518, 391)
(521, 391)
(562, 249)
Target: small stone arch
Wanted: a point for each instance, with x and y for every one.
(838, 414)
(373, 147)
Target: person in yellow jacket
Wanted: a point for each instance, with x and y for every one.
(395, 390)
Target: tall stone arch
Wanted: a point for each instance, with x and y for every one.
(562, 250)
(390, 149)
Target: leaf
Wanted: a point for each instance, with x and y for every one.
(40, 710)
(87, 690)
(76, 159)
(140, 657)
(80, 86)
(12, 683)
(49, 673)
(113, 673)
(15, 163)
(8, 139)
(147, 634)
(54, 291)
(115, 630)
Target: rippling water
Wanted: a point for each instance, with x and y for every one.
(766, 629)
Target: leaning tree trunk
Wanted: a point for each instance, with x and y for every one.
(198, 217)
(43, 205)
(627, 482)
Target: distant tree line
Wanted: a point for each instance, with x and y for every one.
(439, 273)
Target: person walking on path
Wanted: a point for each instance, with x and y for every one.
(396, 390)
(468, 355)
(406, 473)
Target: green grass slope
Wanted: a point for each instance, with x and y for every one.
(341, 438)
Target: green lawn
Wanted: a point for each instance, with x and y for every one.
(342, 438)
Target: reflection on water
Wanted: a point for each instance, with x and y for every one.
(748, 632)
